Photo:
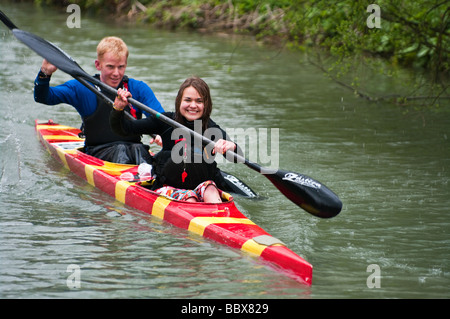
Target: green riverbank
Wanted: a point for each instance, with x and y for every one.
(340, 38)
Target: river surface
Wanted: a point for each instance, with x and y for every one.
(391, 168)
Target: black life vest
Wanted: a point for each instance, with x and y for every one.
(96, 126)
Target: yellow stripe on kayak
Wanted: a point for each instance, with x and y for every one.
(257, 244)
(53, 127)
(198, 224)
(113, 168)
(121, 190)
(253, 247)
(62, 137)
(159, 206)
(89, 170)
(62, 156)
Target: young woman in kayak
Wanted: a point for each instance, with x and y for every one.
(177, 177)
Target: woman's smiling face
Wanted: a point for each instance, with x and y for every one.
(192, 105)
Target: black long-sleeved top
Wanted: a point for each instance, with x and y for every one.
(170, 174)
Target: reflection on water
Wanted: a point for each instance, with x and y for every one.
(391, 169)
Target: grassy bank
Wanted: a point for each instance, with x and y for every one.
(413, 34)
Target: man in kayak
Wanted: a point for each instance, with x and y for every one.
(101, 141)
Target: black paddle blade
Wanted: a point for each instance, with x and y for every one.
(235, 185)
(309, 194)
(50, 52)
(45, 49)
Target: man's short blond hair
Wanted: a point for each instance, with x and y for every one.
(113, 45)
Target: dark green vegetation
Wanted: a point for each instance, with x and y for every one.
(342, 38)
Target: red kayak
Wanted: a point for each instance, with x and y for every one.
(223, 222)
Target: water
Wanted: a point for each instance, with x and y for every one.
(390, 168)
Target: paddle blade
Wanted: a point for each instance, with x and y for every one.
(235, 185)
(309, 194)
(50, 52)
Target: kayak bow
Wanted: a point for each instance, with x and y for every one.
(222, 222)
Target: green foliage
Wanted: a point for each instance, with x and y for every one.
(413, 33)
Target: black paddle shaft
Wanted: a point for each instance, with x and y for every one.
(307, 193)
